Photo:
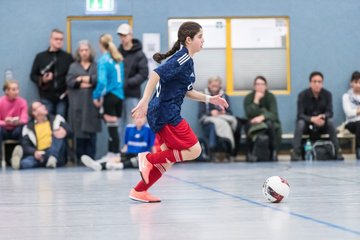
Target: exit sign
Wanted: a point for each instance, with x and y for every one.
(100, 6)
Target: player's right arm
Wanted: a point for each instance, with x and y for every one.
(141, 109)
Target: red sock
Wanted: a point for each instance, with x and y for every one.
(167, 156)
(155, 174)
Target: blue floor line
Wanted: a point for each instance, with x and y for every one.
(327, 224)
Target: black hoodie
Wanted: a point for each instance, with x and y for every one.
(56, 62)
(136, 69)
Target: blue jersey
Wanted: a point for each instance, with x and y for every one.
(110, 77)
(139, 140)
(176, 78)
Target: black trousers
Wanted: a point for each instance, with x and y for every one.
(303, 127)
(354, 127)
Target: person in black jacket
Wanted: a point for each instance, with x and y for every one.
(136, 71)
(43, 141)
(314, 115)
(49, 74)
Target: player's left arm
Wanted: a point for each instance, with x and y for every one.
(201, 97)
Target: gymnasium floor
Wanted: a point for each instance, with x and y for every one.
(200, 201)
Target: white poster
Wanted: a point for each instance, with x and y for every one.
(151, 45)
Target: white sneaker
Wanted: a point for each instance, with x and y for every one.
(114, 166)
(90, 163)
(16, 157)
(51, 162)
(107, 157)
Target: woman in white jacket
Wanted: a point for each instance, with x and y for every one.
(351, 106)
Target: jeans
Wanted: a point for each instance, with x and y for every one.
(57, 150)
(302, 127)
(128, 104)
(59, 107)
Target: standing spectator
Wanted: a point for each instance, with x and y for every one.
(49, 74)
(136, 71)
(43, 140)
(109, 92)
(262, 112)
(351, 106)
(219, 125)
(314, 113)
(13, 112)
(83, 115)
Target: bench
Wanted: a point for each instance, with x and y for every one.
(343, 135)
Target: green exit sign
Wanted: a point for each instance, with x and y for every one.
(100, 6)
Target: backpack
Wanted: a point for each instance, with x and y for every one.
(323, 150)
(261, 149)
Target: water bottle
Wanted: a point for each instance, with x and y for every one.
(308, 151)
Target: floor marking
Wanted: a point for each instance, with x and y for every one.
(302, 216)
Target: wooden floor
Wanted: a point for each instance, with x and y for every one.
(199, 201)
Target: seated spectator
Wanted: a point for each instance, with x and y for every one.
(13, 112)
(351, 106)
(43, 140)
(262, 113)
(219, 126)
(314, 113)
(138, 138)
(83, 116)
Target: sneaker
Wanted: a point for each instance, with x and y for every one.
(90, 163)
(143, 196)
(51, 162)
(144, 166)
(134, 162)
(16, 157)
(339, 156)
(114, 166)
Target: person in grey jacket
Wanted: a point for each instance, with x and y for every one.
(351, 106)
(83, 115)
(136, 71)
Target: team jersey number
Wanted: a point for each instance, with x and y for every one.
(118, 73)
(158, 89)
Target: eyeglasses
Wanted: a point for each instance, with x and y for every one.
(317, 81)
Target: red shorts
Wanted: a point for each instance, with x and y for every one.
(178, 137)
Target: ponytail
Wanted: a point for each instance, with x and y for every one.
(158, 57)
(187, 29)
(114, 52)
(106, 42)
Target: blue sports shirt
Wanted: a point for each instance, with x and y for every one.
(139, 140)
(110, 77)
(176, 78)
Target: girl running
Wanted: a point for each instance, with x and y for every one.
(173, 80)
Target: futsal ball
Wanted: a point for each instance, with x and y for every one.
(275, 189)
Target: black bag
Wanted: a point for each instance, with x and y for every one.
(323, 150)
(261, 149)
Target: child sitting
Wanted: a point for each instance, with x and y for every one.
(138, 138)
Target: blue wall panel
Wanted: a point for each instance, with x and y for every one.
(324, 36)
